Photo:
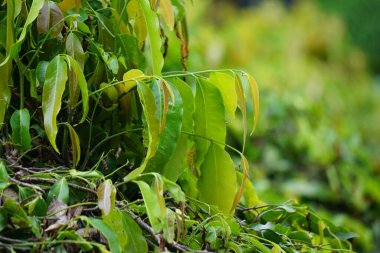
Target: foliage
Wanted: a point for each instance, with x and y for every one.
(317, 139)
(101, 151)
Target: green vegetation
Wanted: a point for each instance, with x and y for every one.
(317, 139)
(101, 151)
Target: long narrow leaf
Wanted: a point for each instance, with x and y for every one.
(55, 80)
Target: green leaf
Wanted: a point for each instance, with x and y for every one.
(50, 19)
(20, 122)
(128, 232)
(59, 190)
(75, 144)
(5, 92)
(152, 126)
(217, 183)
(226, 85)
(74, 49)
(174, 189)
(208, 117)
(106, 197)
(55, 80)
(156, 213)
(152, 24)
(4, 177)
(32, 15)
(78, 80)
(107, 232)
(175, 166)
(241, 103)
(168, 138)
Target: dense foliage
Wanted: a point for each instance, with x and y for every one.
(101, 151)
(317, 140)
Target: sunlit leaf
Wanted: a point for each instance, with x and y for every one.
(55, 80)
(106, 197)
(67, 5)
(226, 85)
(154, 47)
(255, 100)
(50, 19)
(242, 105)
(208, 117)
(167, 12)
(217, 183)
(20, 123)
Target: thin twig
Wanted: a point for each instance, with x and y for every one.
(35, 187)
(52, 181)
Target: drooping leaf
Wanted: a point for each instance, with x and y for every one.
(5, 92)
(75, 144)
(154, 47)
(243, 179)
(226, 85)
(20, 123)
(152, 126)
(135, 14)
(78, 80)
(4, 177)
(255, 100)
(169, 136)
(60, 191)
(217, 183)
(129, 233)
(106, 197)
(209, 117)
(241, 103)
(74, 49)
(174, 166)
(55, 80)
(174, 190)
(50, 19)
(32, 15)
(155, 213)
(107, 232)
(167, 12)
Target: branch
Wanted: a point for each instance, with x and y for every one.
(156, 237)
(35, 187)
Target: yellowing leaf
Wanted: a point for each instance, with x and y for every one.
(226, 85)
(244, 177)
(67, 5)
(241, 103)
(128, 77)
(55, 80)
(255, 100)
(106, 197)
(167, 13)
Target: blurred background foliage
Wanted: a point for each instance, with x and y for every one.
(316, 63)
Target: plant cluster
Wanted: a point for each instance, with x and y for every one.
(102, 152)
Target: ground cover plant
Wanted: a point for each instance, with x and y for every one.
(101, 151)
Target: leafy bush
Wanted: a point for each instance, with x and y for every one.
(317, 139)
(102, 152)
